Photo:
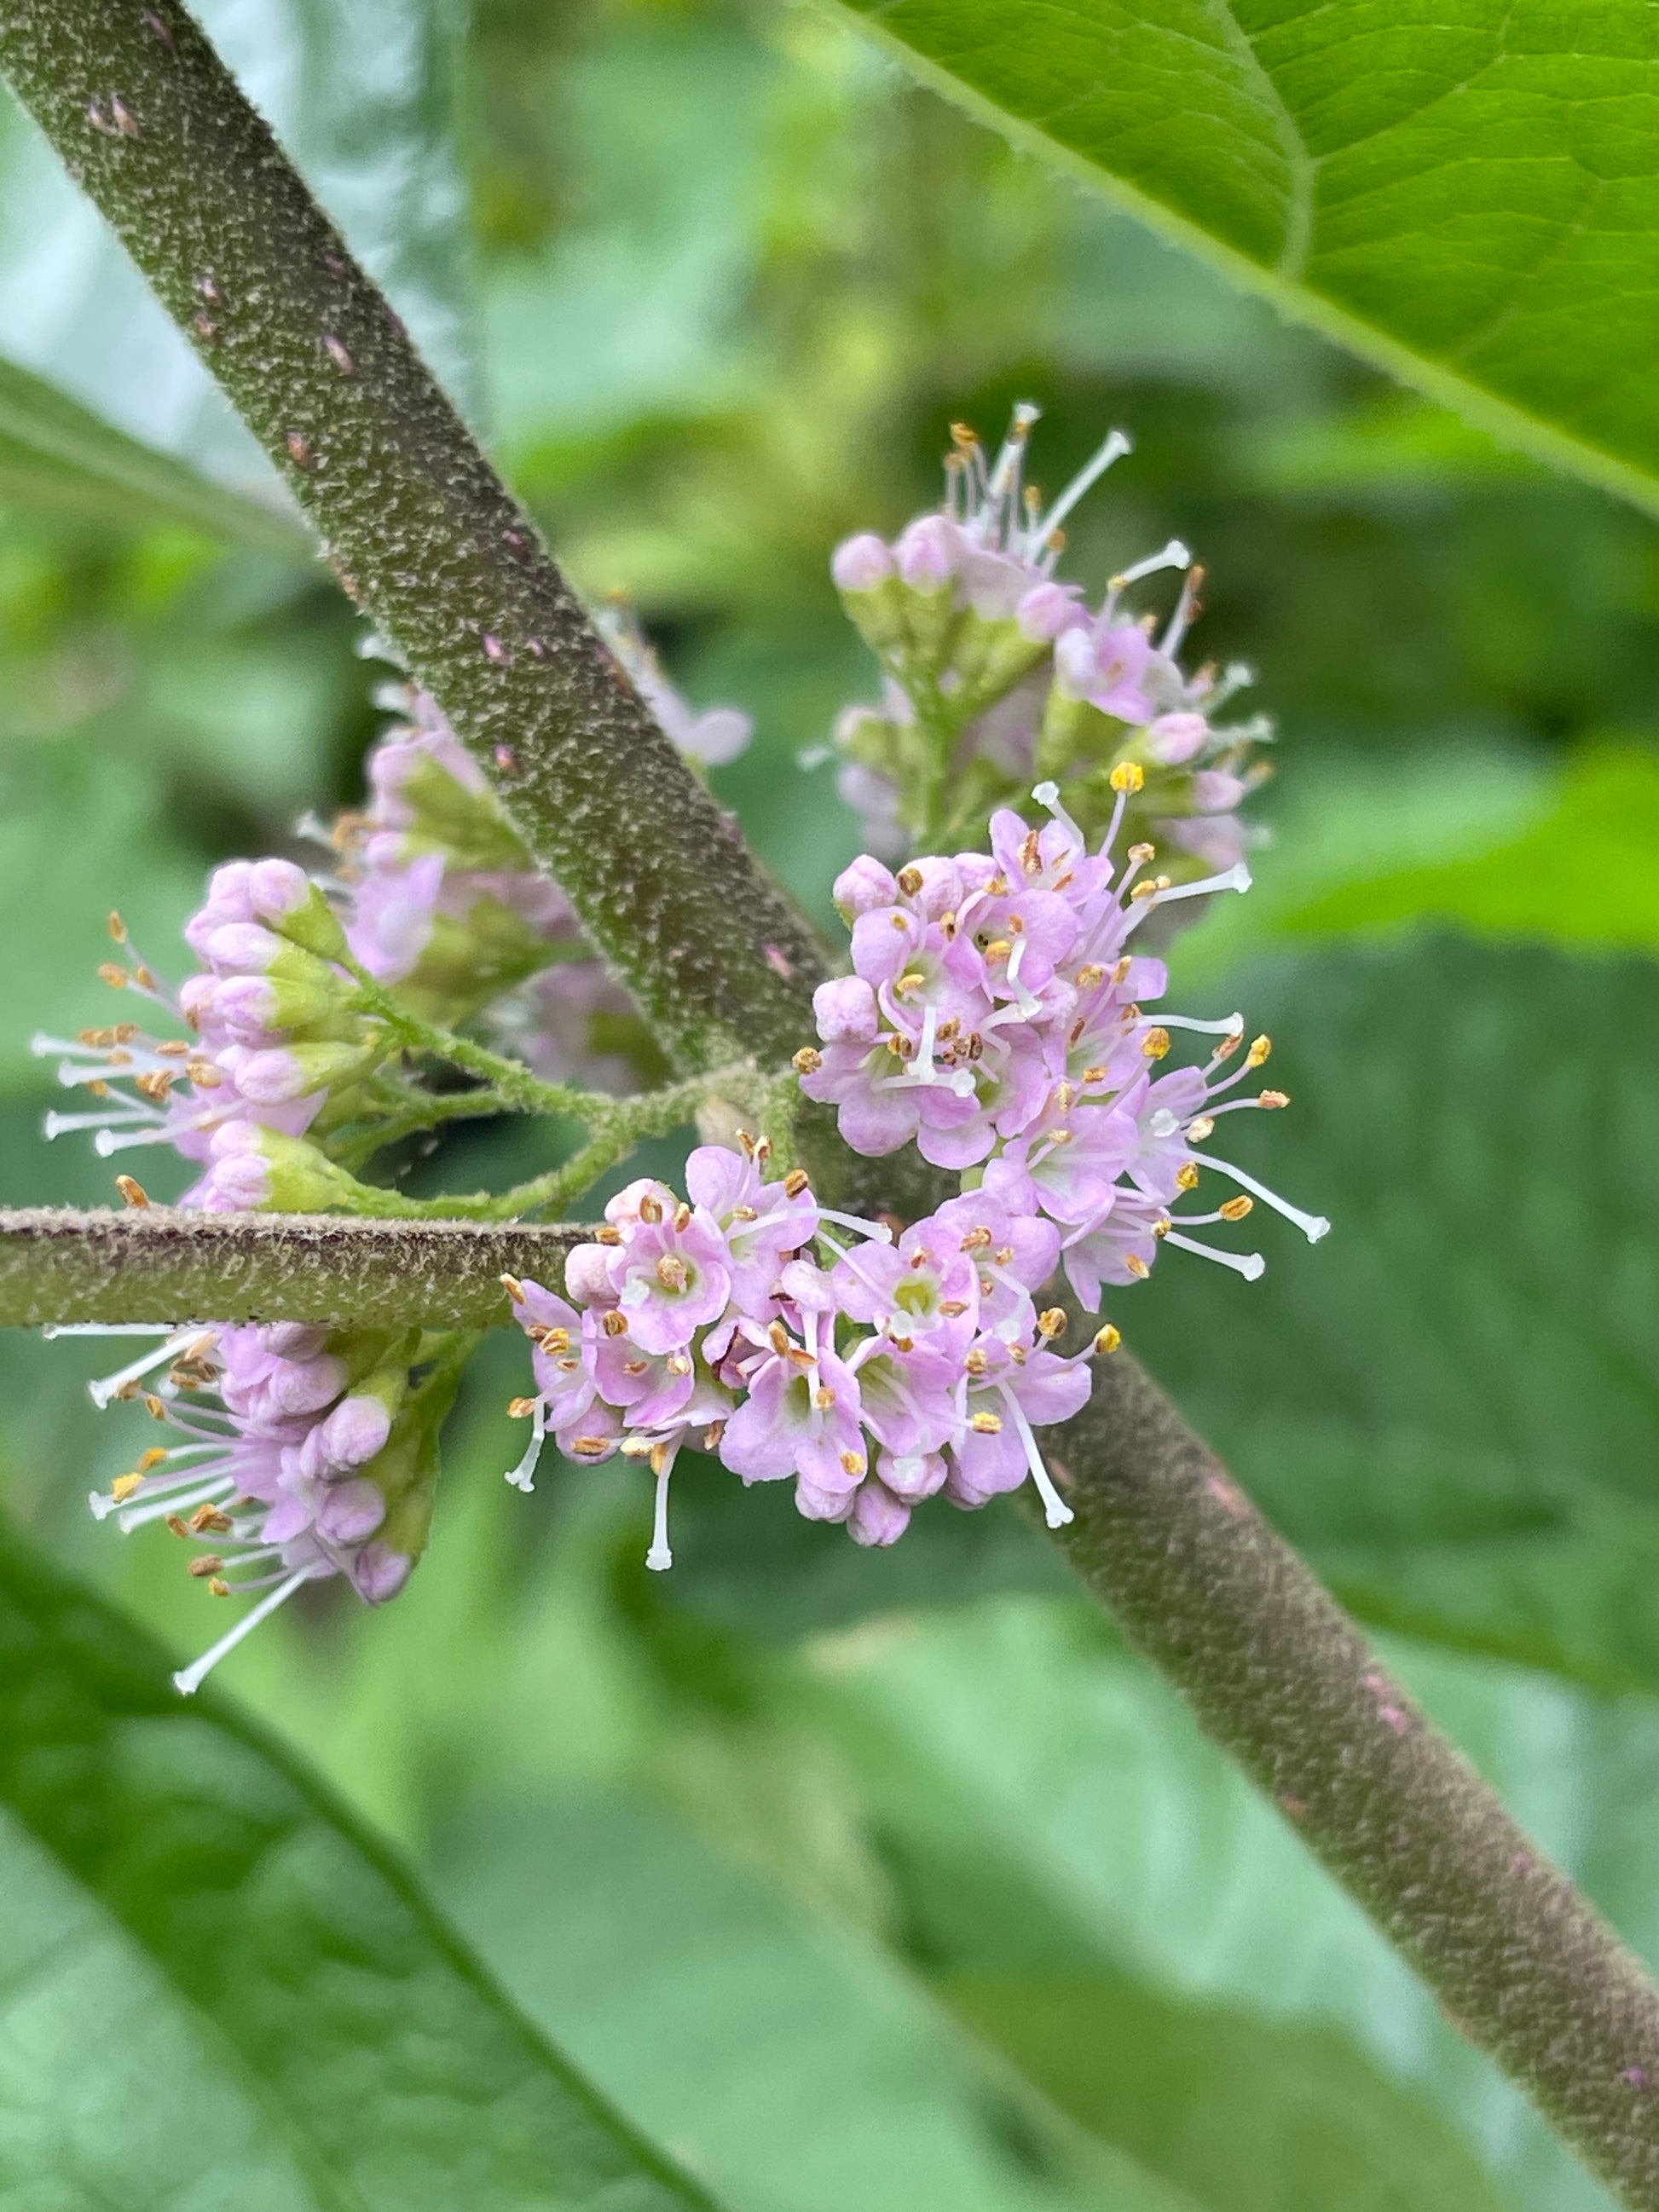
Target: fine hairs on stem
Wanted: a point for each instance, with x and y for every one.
(425, 538)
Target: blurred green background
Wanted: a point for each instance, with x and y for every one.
(897, 1883)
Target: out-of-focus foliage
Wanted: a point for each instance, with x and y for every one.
(810, 1857)
(190, 1931)
(1467, 194)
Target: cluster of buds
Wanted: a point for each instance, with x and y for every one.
(275, 1051)
(994, 1018)
(874, 1369)
(293, 1453)
(996, 673)
(443, 899)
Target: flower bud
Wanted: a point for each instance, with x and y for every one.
(846, 1010)
(379, 1572)
(296, 1177)
(1048, 611)
(272, 1078)
(863, 563)
(1214, 792)
(285, 898)
(1173, 739)
(863, 887)
(350, 1512)
(927, 554)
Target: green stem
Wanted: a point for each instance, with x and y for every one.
(515, 1086)
(420, 530)
(155, 1264)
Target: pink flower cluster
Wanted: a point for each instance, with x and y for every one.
(270, 1037)
(994, 1018)
(991, 659)
(278, 1467)
(796, 1342)
(443, 898)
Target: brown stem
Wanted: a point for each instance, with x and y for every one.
(1283, 1681)
(418, 526)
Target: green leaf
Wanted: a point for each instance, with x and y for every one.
(56, 454)
(215, 1991)
(800, 2067)
(1247, 2115)
(1050, 1810)
(1453, 1403)
(1466, 193)
(364, 98)
(1586, 874)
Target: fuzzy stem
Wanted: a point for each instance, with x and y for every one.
(155, 1264)
(1282, 1680)
(419, 528)
(423, 536)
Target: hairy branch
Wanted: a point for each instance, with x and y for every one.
(157, 1265)
(425, 538)
(1282, 1678)
(418, 526)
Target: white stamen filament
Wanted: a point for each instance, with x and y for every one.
(178, 1500)
(109, 1141)
(1113, 448)
(523, 1477)
(1250, 1265)
(102, 1391)
(1055, 1511)
(189, 1680)
(119, 1113)
(661, 1557)
(1312, 1225)
(1229, 1026)
(55, 1329)
(1235, 879)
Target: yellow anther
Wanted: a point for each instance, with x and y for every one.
(219, 1586)
(650, 1209)
(208, 1563)
(1203, 1127)
(1127, 775)
(910, 881)
(824, 1397)
(1108, 1340)
(796, 1182)
(1156, 1044)
(520, 1409)
(1274, 1098)
(614, 1322)
(123, 1486)
(987, 1425)
(808, 1061)
(513, 1288)
(1140, 854)
(1187, 1176)
(1137, 1267)
(1052, 1324)
(1237, 1208)
(1259, 1048)
(133, 1191)
(853, 1463)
